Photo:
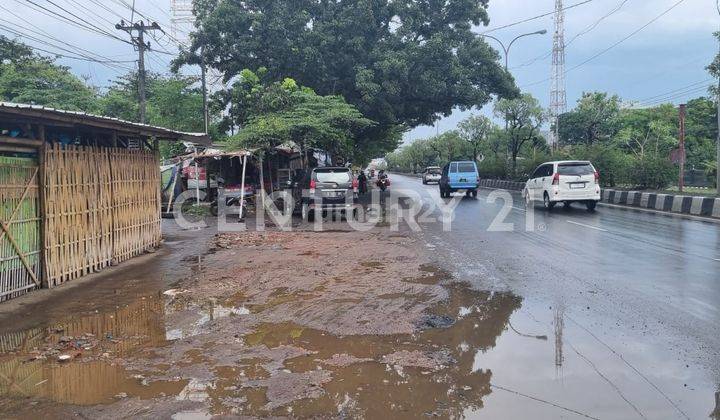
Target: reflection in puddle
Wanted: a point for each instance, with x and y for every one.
(428, 373)
(32, 362)
(83, 383)
(489, 356)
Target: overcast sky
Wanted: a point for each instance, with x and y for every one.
(662, 59)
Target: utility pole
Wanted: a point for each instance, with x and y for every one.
(203, 72)
(681, 177)
(142, 46)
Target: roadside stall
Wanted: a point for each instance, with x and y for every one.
(79, 192)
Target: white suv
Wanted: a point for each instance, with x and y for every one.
(564, 181)
(431, 174)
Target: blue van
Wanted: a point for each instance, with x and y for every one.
(459, 176)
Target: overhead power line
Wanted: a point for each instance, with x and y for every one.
(684, 93)
(585, 31)
(56, 43)
(706, 81)
(67, 53)
(520, 22)
(128, 6)
(612, 46)
(51, 13)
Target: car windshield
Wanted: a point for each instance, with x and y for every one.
(466, 167)
(576, 169)
(337, 176)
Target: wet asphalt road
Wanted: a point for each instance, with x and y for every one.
(632, 300)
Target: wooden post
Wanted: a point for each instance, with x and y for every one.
(681, 179)
(262, 183)
(242, 187)
(43, 207)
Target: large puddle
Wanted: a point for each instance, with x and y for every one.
(478, 354)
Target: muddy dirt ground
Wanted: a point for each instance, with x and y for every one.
(259, 324)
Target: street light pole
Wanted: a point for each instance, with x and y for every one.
(506, 50)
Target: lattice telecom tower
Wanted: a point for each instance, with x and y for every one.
(182, 20)
(558, 96)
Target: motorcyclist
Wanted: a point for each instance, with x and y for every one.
(383, 181)
(362, 180)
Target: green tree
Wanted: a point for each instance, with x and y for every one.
(401, 63)
(524, 117)
(32, 79)
(476, 130)
(595, 118)
(284, 112)
(14, 51)
(700, 132)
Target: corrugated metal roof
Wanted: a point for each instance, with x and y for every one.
(88, 119)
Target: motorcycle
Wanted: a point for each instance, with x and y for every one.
(383, 183)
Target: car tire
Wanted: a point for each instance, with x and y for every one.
(547, 203)
(424, 182)
(567, 205)
(474, 194)
(591, 205)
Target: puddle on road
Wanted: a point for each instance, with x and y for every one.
(30, 365)
(448, 369)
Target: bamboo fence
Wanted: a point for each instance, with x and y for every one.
(19, 236)
(136, 202)
(102, 208)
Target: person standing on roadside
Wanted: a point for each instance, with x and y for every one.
(362, 180)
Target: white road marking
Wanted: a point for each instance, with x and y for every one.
(716, 259)
(587, 226)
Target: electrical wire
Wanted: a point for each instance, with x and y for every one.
(95, 27)
(604, 51)
(68, 53)
(675, 90)
(123, 3)
(91, 11)
(509, 25)
(44, 10)
(585, 31)
(86, 53)
(672, 98)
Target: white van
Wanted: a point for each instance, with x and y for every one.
(564, 182)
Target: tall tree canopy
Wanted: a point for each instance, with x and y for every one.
(277, 112)
(401, 63)
(594, 119)
(28, 78)
(524, 116)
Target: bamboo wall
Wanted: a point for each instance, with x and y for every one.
(102, 206)
(19, 211)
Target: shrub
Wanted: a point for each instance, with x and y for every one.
(651, 171)
(611, 163)
(526, 167)
(493, 168)
(711, 169)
